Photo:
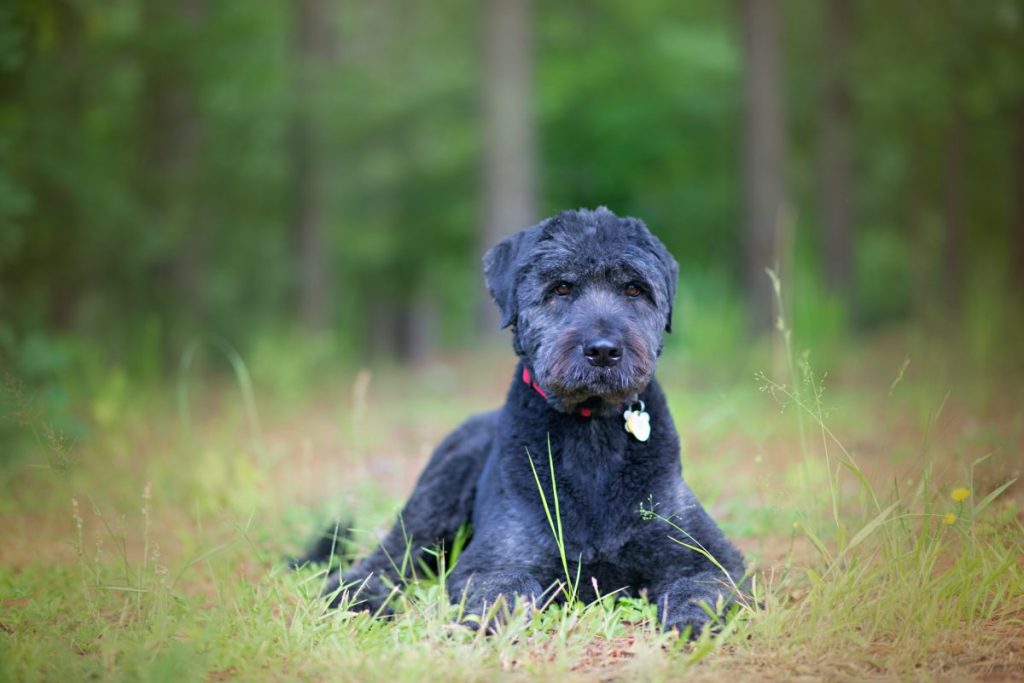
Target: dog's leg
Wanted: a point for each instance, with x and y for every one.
(679, 600)
(679, 596)
(492, 594)
(441, 503)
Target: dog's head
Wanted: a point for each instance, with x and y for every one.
(589, 296)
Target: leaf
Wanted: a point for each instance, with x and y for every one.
(869, 527)
(992, 496)
(817, 543)
(982, 459)
(857, 472)
(814, 577)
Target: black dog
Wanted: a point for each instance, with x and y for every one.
(589, 296)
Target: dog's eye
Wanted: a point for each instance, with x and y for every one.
(563, 289)
(632, 290)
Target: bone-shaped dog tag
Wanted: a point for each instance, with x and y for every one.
(638, 423)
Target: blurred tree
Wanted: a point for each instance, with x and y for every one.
(509, 129)
(15, 201)
(1017, 226)
(955, 216)
(171, 136)
(172, 169)
(763, 151)
(835, 182)
(68, 23)
(314, 49)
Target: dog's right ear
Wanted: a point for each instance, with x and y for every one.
(500, 272)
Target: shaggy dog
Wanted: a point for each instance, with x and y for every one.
(588, 296)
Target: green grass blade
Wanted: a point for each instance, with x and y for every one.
(866, 530)
(987, 500)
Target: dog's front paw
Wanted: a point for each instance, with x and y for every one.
(492, 599)
(494, 617)
(357, 592)
(689, 618)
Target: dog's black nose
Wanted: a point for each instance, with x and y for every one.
(602, 352)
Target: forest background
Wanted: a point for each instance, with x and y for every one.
(327, 175)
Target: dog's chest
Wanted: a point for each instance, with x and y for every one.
(598, 496)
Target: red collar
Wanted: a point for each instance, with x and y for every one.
(528, 380)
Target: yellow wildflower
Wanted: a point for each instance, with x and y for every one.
(949, 519)
(960, 494)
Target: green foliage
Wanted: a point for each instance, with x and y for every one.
(149, 175)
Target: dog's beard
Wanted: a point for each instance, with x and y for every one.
(565, 372)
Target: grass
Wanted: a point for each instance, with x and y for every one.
(148, 551)
(571, 587)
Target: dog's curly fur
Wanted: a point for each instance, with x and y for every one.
(574, 277)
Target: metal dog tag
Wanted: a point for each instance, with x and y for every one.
(638, 422)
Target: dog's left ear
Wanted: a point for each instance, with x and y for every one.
(669, 270)
(500, 268)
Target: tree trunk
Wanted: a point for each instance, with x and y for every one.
(172, 139)
(510, 159)
(418, 328)
(954, 243)
(1017, 228)
(836, 203)
(762, 153)
(382, 328)
(314, 48)
(64, 282)
(916, 209)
